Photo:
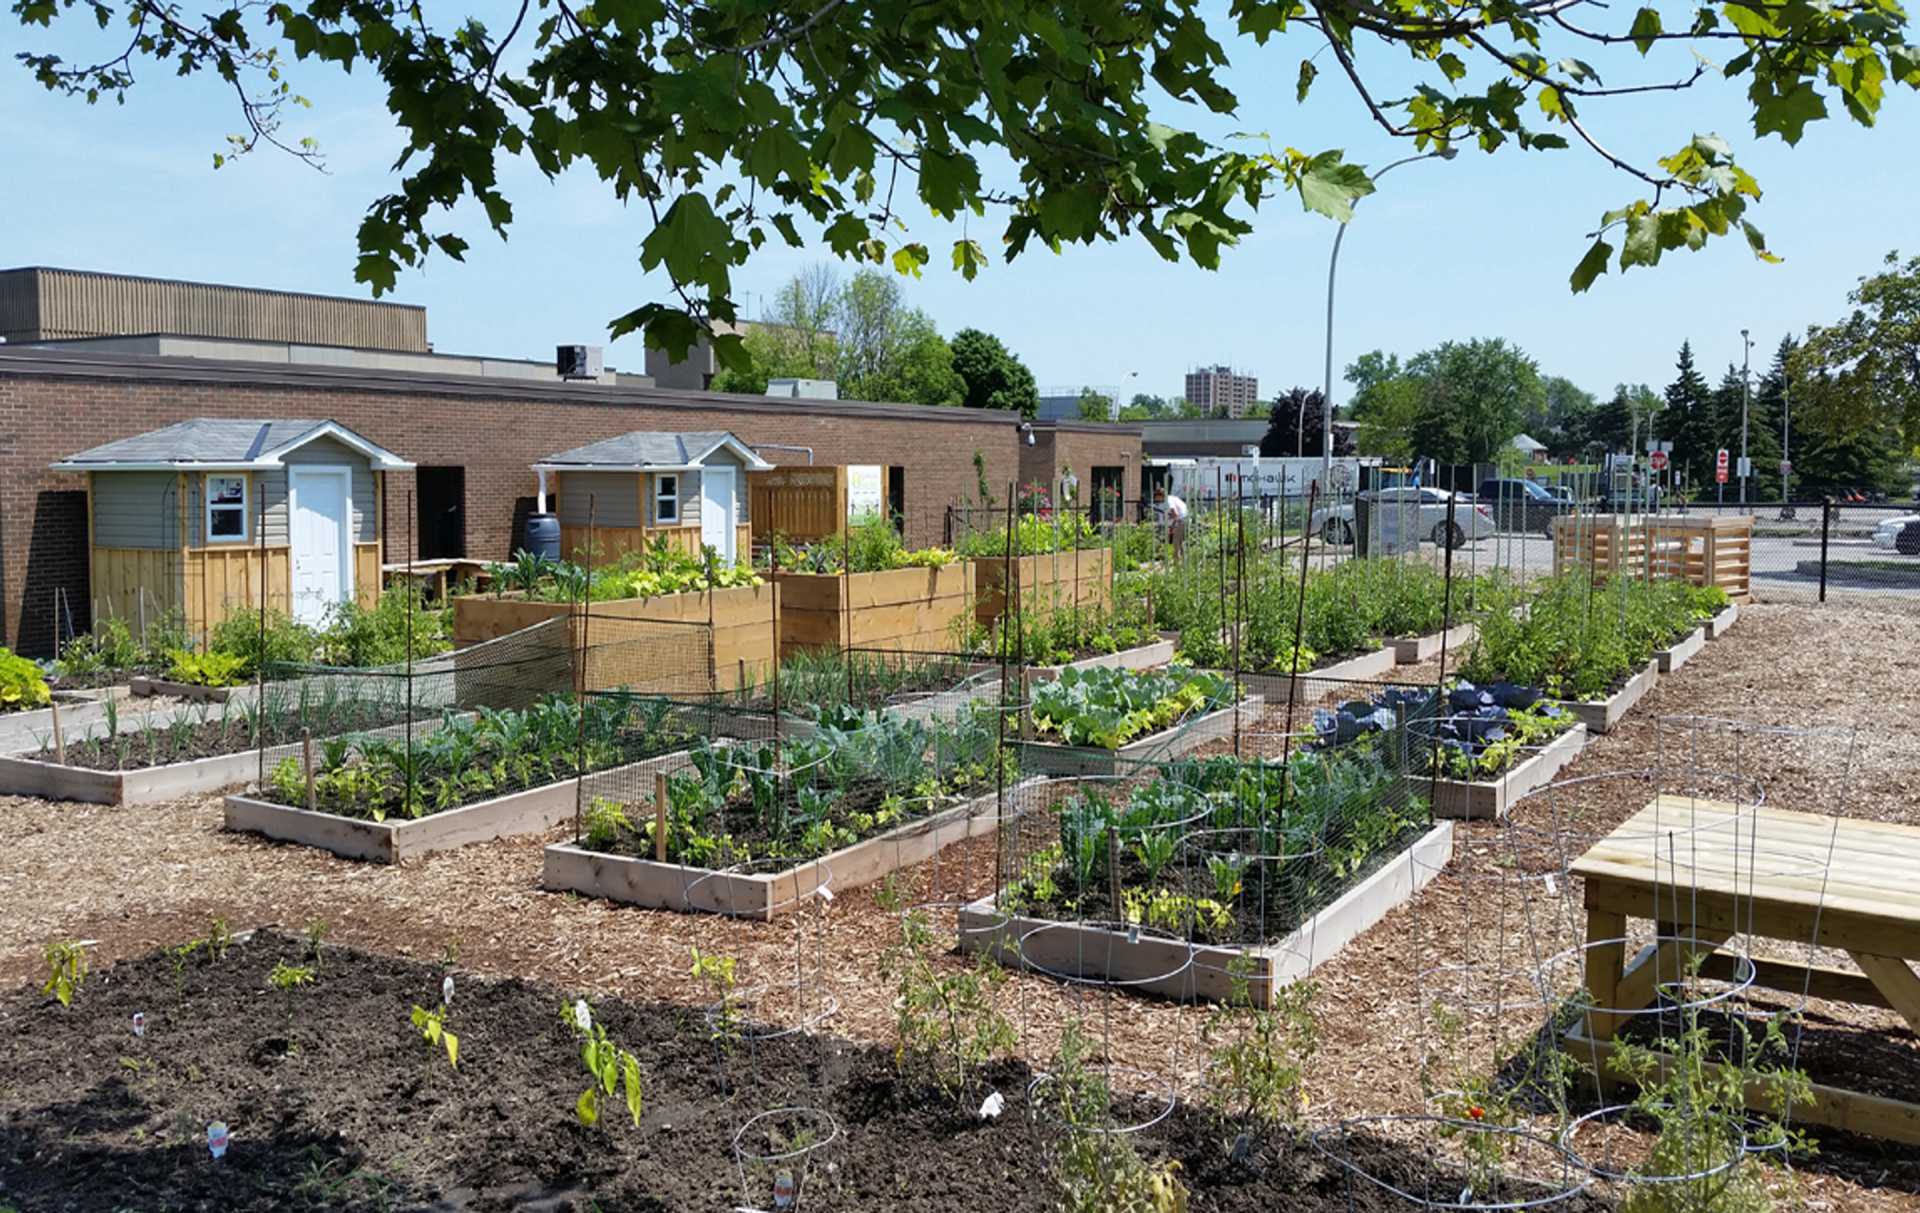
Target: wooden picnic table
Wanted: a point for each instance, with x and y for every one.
(1705, 871)
(439, 574)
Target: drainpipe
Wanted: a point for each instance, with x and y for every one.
(540, 504)
(781, 446)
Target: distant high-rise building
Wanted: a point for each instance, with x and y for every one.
(1222, 390)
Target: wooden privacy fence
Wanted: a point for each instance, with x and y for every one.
(801, 503)
(1071, 579)
(1707, 551)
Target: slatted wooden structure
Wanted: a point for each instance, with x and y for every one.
(802, 504)
(720, 640)
(916, 609)
(1049, 580)
(1704, 550)
(1706, 871)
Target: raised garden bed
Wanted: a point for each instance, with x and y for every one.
(1718, 625)
(1495, 796)
(899, 610)
(724, 637)
(79, 709)
(530, 811)
(1677, 654)
(1601, 715)
(1175, 968)
(182, 690)
(1140, 657)
(1171, 742)
(1075, 577)
(1412, 650)
(1278, 688)
(763, 895)
(24, 776)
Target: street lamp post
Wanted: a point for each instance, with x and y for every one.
(1746, 377)
(1333, 264)
(1786, 430)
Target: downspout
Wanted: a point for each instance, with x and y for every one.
(540, 502)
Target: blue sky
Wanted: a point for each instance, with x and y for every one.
(1477, 247)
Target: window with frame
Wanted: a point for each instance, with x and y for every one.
(226, 509)
(666, 498)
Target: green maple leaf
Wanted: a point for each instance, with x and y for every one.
(1591, 266)
(1331, 188)
(1786, 114)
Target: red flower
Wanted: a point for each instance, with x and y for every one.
(1476, 1112)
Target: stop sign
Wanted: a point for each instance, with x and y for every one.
(1720, 466)
(1659, 461)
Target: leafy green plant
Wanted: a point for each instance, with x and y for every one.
(1094, 1169)
(717, 973)
(66, 969)
(432, 1026)
(22, 687)
(611, 1068)
(400, 623)
(209, 669)
(946, 1025)
(872, 545)
(1107, 707)
(1257, 1056)
(272, 637)
(286, 977)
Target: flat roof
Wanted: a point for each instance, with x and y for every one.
(144, 368)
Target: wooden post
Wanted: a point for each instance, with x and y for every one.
(59, 740)
(1113, 874)
(660, 816)
(306, 759)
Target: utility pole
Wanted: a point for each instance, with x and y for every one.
(1746, 392)
(1786, 429)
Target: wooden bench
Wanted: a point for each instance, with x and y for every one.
(1704, 871)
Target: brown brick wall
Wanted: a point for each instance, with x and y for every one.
(49, 409)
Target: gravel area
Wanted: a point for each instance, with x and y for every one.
(1843, 683)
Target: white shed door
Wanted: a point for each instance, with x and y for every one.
(716, 510)
(320, 511)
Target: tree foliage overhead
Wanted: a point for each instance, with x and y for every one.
(732, 125)
(1459, 402)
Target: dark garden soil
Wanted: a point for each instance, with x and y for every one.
(334, 1101)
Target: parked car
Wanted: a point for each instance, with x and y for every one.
(1890, 530)
(1471, 519)
(1523, 505)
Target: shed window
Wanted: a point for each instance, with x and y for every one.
(666, 499)
(226, 509)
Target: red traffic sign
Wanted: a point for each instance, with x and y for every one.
(1720, 466)
(1659, 461)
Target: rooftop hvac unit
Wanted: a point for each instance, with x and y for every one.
(579, 361)
(805, 389)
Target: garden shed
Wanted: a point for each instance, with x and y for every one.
(688, 487)
(206, 516)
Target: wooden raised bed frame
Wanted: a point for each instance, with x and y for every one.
(624, 636)
(1600, 716)
(1137, 961)
(1412, 650)
(1718, 625)
(899, 610)
(1680, 651)
(660, 885)
(1080, 577)
(1488, 799)
(530, 811)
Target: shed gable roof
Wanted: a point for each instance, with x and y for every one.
(646, 449)
(220, 442)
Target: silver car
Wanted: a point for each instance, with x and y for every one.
(1471, 518)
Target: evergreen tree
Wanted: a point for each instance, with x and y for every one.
(1687, 420)
(1769, 406)
(1608, 426)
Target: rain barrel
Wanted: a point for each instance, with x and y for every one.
(543, 535)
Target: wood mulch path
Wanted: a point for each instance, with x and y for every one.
(1847, 680)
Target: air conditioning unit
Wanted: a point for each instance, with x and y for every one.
(579, 361)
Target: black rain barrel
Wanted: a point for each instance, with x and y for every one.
(543, 535)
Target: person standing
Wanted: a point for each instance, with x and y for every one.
(1176, 512)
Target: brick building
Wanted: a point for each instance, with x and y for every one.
(1223, 391)
(473, 437)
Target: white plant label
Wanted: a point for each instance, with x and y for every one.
(784, 1190)
(993, 1106)
(446, 990)
(1553, 889)
(218, 1135)
(824, 893)
(139, 1023)
(582, 1017)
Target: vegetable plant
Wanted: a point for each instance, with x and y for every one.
(1257, 1056)
(611, 1068)
(1106, 707)
(946, 1023)
(22, 687)
(66, 969)
(432, 1026)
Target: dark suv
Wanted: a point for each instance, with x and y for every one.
(1522, 505)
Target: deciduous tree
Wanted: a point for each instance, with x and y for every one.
(725, 126)
(992, 377)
